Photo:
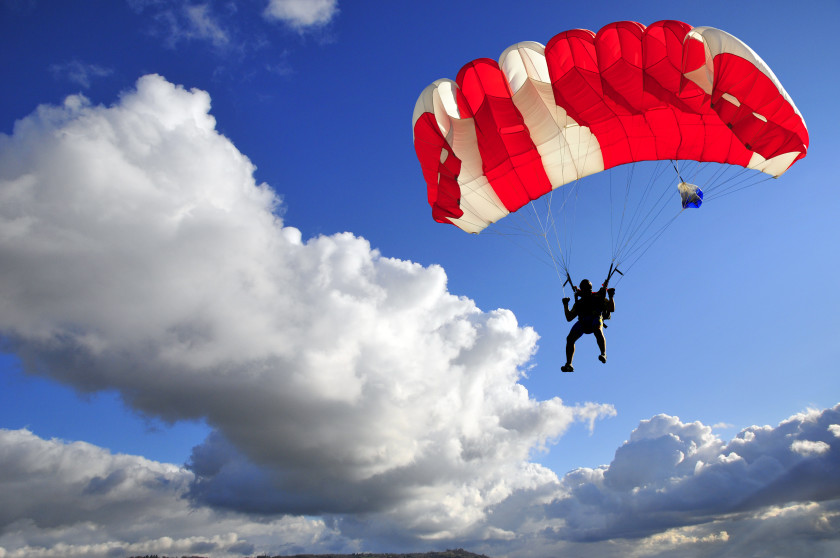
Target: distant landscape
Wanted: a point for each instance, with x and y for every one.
(457, 553)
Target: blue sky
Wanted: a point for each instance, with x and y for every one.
(231, 326)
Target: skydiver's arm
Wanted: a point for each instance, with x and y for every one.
(570, 314)
(610, 300)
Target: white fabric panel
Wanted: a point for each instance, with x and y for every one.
(568, 151)
(775, 166)
(524, 61)
(425, 103)
(479, 201)
(480, 204)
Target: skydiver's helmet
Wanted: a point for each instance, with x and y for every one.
(586, 286)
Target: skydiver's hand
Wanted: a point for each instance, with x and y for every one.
(611, 292)
(566, 301)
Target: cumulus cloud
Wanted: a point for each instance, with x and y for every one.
(137, 253)
(809, 447)
(676, 489)
(302, 14)
(671, 475)
(74, 499)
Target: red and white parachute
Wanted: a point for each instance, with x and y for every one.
(503, 134)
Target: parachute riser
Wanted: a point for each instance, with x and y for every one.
(571, 283)
(613, 269)
(677, 170)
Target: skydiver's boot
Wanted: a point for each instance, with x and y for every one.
(570, 354)
(602, 345)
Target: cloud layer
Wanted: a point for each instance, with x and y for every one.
(673, 474)
(673, 489)
(139, 254)
(677, 489)
(77, 500)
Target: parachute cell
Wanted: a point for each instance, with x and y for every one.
(503, 134)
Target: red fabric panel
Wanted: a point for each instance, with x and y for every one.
(662, 51)
(646, 110)
(618, 47)
(719, 144)
(573, 66)
(510, 159)
(784, 130)
(578, 88)
(441, 178)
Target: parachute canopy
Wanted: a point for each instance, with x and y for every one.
(503, 134)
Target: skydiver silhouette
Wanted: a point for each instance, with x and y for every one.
(588, 308)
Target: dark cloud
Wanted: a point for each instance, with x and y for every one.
(78, 500)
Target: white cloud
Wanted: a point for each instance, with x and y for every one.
(809, 447)
(674, 474)
(236, 32)
(301, 14)
(75, 499)
(679, 541)
(138, 254)
(175, 22)
(79, 73)
(46, 479)
(203, 25)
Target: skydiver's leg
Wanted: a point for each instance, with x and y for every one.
(602, 344)
(574, 335)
